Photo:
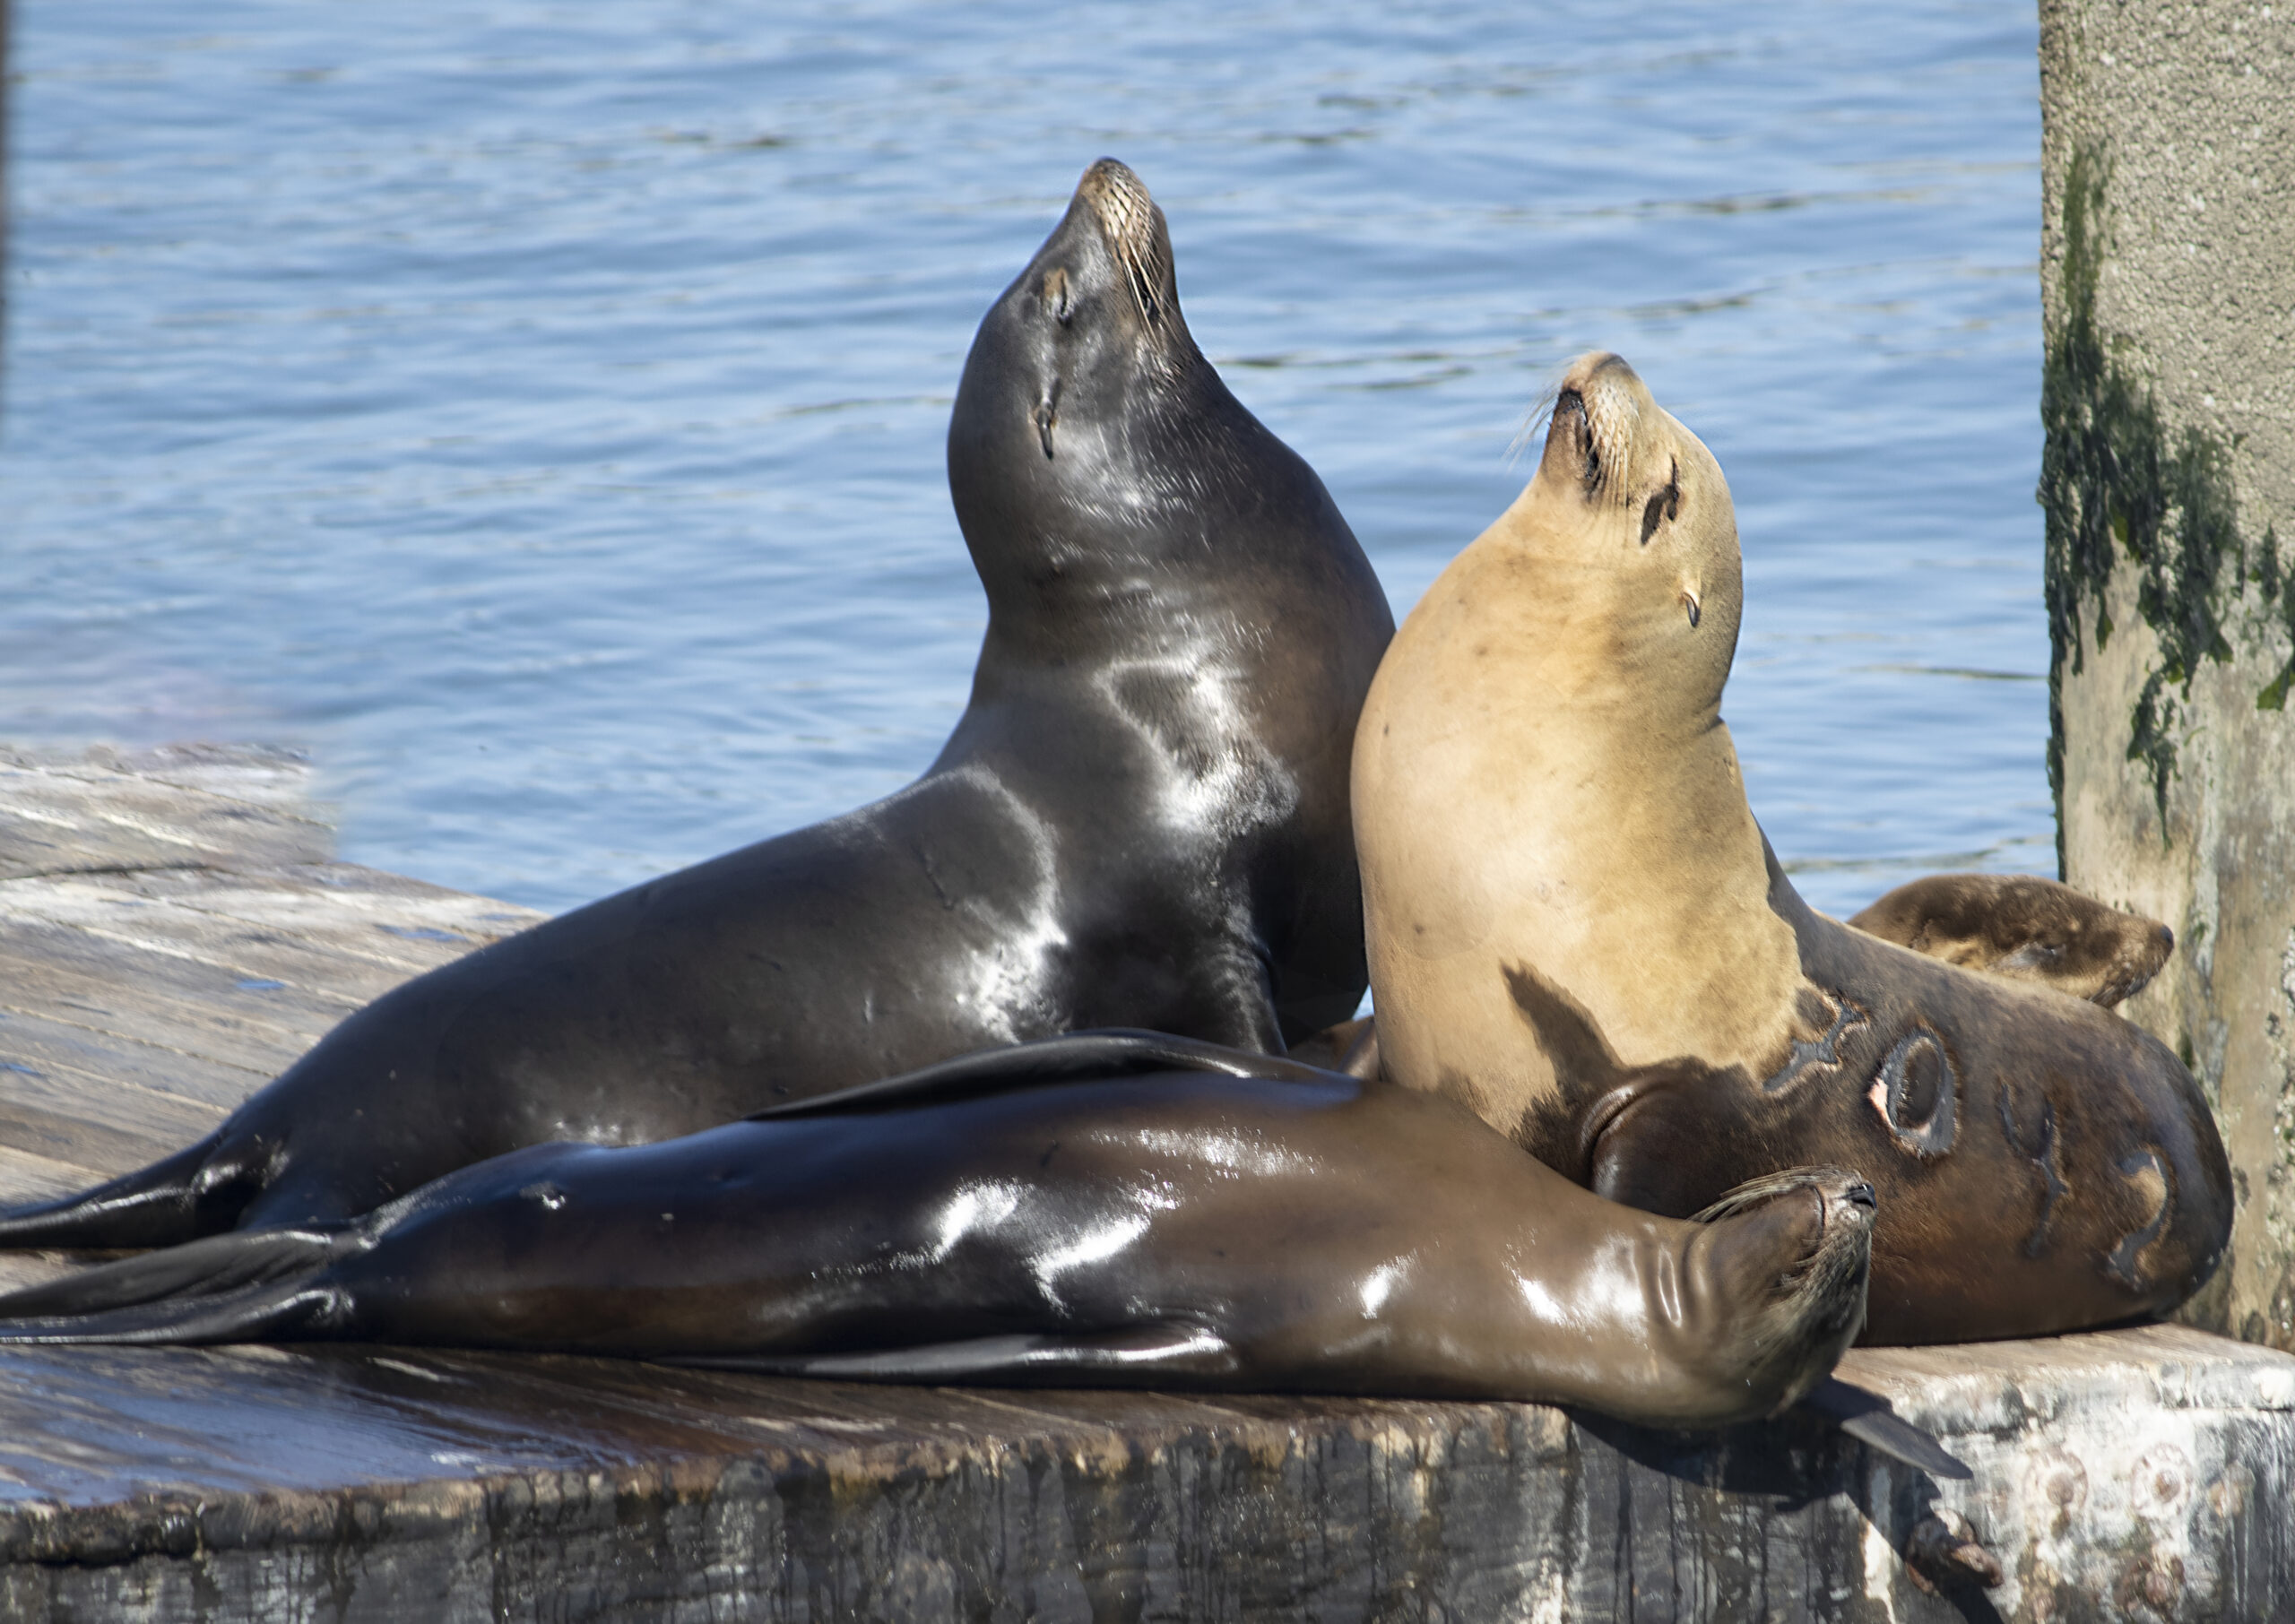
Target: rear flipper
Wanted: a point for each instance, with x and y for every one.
(1162, 1352)
(194, 1192)
(255, 1285)
(1867, 1417)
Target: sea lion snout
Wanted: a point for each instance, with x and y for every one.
(1792, 1253)
(1827, 1199)
(1136, 235)
(1594, 436)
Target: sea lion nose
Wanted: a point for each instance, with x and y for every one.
(1860, 1193)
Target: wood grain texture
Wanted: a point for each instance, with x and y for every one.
(2139, 1474)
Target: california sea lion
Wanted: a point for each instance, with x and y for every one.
(1114, 1209)
(1141, 820)
(1576, 927)
(2025, 928)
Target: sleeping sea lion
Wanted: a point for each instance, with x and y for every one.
(1141, 820)
(1577, 928)
(1115, 1209)
(2026, 927)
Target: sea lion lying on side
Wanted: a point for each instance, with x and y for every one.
(1111, 1209)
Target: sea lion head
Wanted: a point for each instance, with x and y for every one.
(2026, 928)
(1791, 1253)
(1626, 497)
(1090, 438)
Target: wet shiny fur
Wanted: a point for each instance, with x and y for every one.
(1141, 819)
(1578, 929)
(1111, 1209)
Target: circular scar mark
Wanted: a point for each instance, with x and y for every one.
(1916, 1095)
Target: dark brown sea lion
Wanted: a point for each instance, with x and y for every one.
(1576, 927)
(1107, 1210)
(2025, 928)
(1141, 820)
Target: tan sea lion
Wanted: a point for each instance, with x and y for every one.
(2025, 928)
(1577, 928)
(1114, 1209)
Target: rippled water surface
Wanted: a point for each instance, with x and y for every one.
(535, 411)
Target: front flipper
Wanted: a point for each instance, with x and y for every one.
(2026, 928)
(1147, 1353)
(1075, 1057)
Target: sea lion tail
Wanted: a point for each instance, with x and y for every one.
(193, 1193)
(255, 1284)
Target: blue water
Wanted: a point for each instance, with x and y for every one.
(534, 410)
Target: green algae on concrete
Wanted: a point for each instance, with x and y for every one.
(2116, 483)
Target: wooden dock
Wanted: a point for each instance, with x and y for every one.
(172, 931)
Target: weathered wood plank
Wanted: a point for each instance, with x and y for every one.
(33, 1046)
(263, 775)
(157, 999)
(32, 1177)
(384, 1480)
(55, 822)
(71, 1131)
(359, 964)
(335, 905)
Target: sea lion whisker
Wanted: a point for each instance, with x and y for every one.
(1535, 417)
(1613, 417)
